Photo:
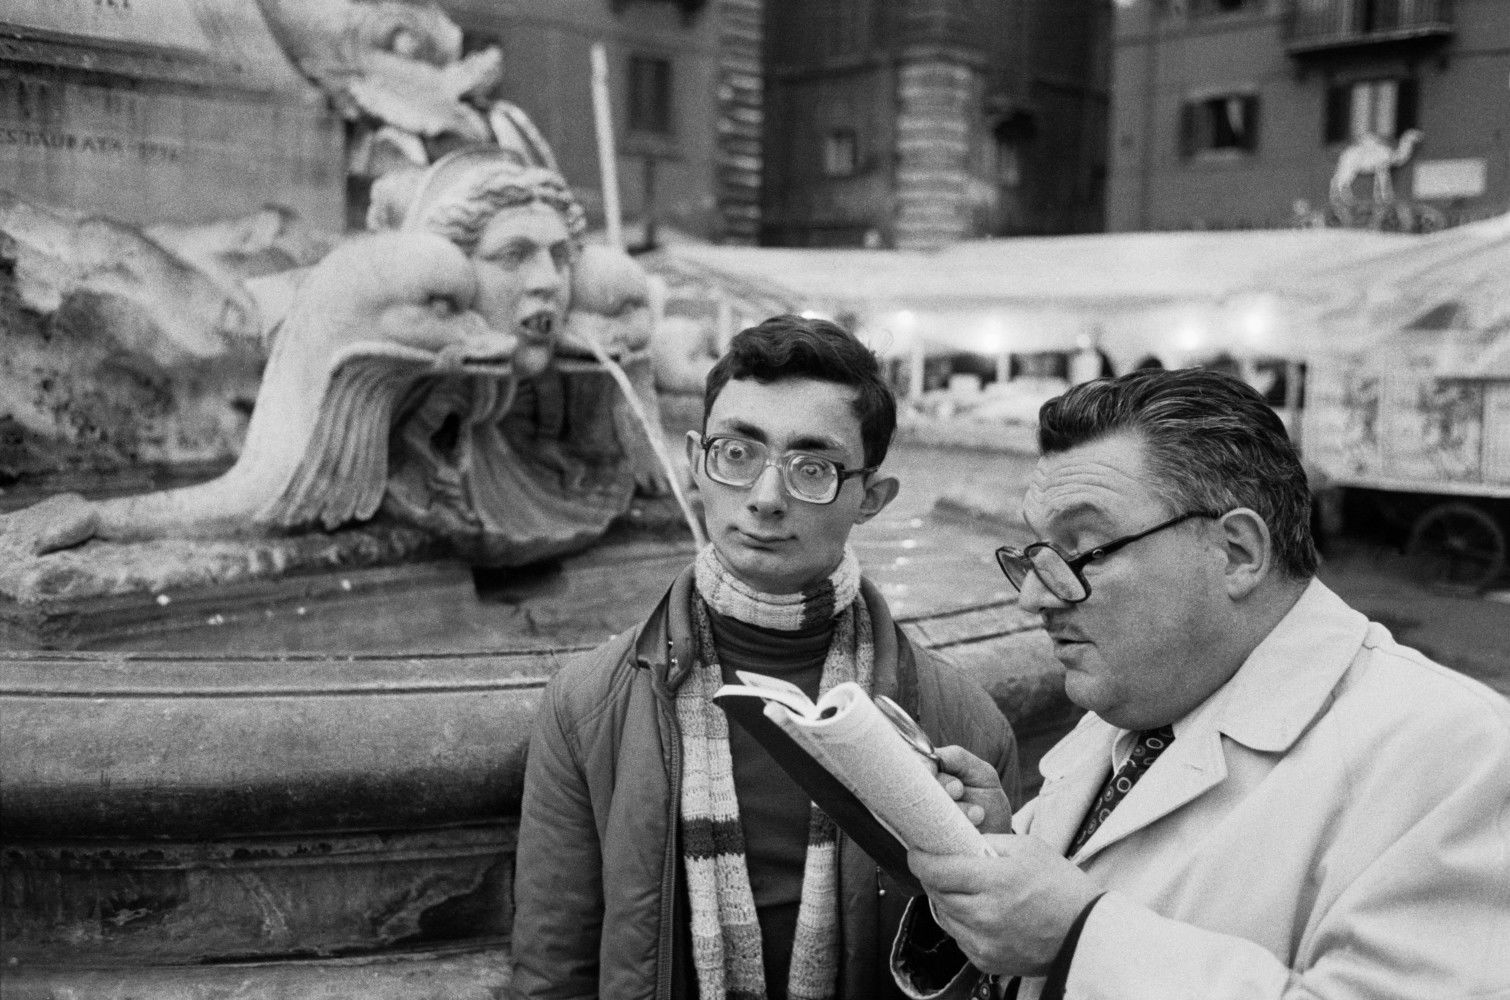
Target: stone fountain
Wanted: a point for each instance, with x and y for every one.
(267, 681)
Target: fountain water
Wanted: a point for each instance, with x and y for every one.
(652, 434)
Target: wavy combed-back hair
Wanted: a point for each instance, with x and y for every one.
(1210, 443)
(797, 347)
(458, 194)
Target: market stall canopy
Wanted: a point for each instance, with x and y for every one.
(1106, 269)
(1451, 288)
(1139, 291)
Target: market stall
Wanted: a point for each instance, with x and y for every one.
(1408, 393)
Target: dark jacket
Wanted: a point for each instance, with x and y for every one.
(598, 886)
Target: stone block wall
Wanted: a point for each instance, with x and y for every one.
(938, 100)
(740, 112)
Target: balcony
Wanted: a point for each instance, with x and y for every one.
(1319, 26)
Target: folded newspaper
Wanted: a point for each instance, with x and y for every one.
(855, 765)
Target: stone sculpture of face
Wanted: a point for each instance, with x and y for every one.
(523, 263)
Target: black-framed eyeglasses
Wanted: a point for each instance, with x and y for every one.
(1063, 575)
(737, 461)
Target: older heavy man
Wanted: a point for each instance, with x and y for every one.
(1269, 797)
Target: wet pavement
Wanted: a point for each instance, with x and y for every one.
(956, 505)
(929, 551)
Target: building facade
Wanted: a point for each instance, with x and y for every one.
(1261, 113)
(913, 123)
(685, 89)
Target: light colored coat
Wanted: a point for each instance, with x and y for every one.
(1333, 823)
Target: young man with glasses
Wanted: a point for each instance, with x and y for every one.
(1269, 797)
(662, 852)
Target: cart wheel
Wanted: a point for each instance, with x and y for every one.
(1457, 546)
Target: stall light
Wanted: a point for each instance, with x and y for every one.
(1191, 335)
(1257, 322)
(815, 314)
(993, 336)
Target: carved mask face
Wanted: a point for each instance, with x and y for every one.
(410, 31)
(523, 262)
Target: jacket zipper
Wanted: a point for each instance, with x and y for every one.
(665, 967)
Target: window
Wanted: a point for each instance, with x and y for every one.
(689, 8)
(1384, 107)
(1008, 162)
(841, 153)
(1226, 123)
(650, 95)
(1203, 7)
(1376, 15)
(1010, 139)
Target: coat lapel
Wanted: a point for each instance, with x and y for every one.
(1073, 773)
(1266, 706)
(1192, 765)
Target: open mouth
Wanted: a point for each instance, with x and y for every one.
(539, 326)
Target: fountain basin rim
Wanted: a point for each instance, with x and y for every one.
(107, 675)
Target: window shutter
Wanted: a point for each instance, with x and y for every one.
(1250, 123)
(649, 103)
(1406, 102)
(1337, 123)
(1188, 112)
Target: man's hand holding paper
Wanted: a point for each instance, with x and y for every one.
(976, 789)
(1008, 913)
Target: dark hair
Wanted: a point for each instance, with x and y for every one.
(1211, 443)
(796, 347)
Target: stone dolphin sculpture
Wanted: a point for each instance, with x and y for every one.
(373, 319)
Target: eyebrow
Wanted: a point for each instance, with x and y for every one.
(741, 428)
(803, 443)
(1095, 516)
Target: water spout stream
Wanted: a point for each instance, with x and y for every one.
(656, 443)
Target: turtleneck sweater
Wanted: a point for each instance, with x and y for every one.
(773, 810)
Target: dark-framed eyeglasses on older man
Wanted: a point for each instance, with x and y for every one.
(1063, 574)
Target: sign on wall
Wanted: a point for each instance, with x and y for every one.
(1444, 179)
(149, 23)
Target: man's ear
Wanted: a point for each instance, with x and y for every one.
(694, 445)
(880, 491)
(1247, 550)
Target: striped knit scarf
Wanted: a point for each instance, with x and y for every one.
(725, 929)
(733, 598)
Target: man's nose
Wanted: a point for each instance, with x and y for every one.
(768, 492)
(1034, 597)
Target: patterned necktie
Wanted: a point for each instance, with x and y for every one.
(1151, 743)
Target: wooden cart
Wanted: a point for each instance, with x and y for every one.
(1423, 423)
